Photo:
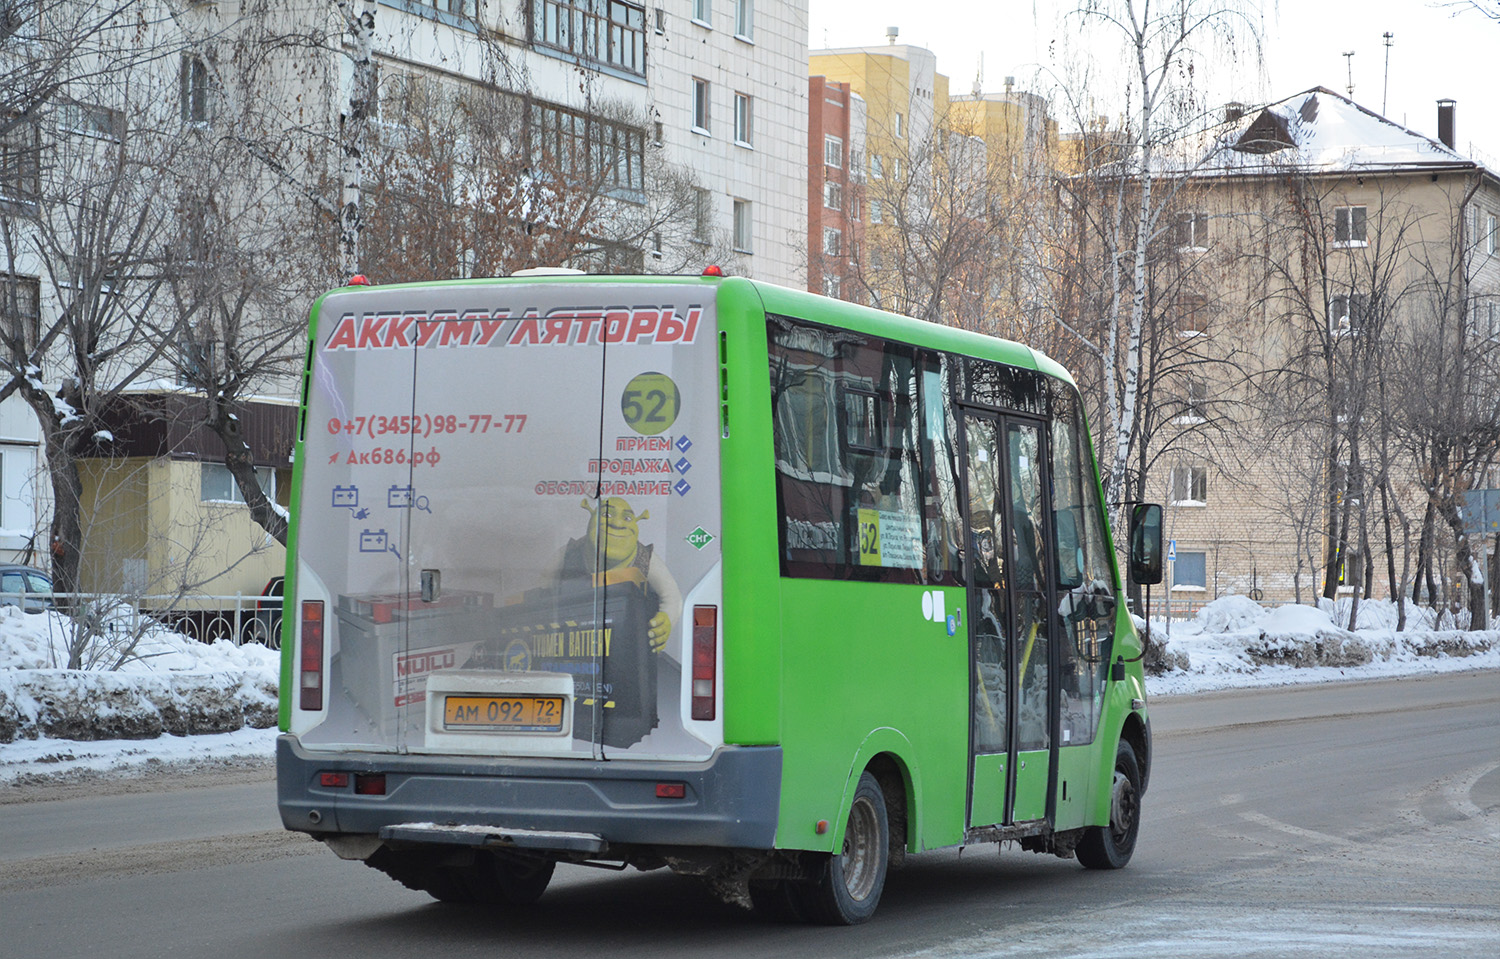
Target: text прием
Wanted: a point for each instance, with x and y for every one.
(564, 326)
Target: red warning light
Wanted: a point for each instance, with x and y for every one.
(359, 279)
(713, 271)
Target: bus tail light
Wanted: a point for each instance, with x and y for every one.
(310, 677)
(705, 660)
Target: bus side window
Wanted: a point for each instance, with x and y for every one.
(846, 429)
(940, 472)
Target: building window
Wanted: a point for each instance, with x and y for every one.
(702, 96)
(833, 241)
(742, 119)
(1192, 314)
(744, 19)
(20, 304)
(604, 31)
(19, 18)
(1190, 570)
(1347, 313)
(877, 170)
(703, 12)
(900, 126)
(833, 195)
(216, 484)
(831, 286)
(1194, 403)
(743, 227)
(20, 158)
(1349, 226)
(896, 167)
(90, 121)
(193, 81)
(1351, 570)
(833, 151)
(703, 209)
(1189, 485)
(1192, 231)
(462, 8)
(1491, 235)
(578, 147)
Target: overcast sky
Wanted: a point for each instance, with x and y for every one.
(1438, 50)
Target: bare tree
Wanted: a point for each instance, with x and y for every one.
(1168, 48)
(92, 229)
(482, 180)
(1449, 383)
(942, 217)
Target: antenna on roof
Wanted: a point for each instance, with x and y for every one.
(1349, 67)
(1388, 36)
(979, 77)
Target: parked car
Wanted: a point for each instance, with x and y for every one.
(26, 587)
(264, 625)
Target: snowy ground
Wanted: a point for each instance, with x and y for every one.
(56, 723)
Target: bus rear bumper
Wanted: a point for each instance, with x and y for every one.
(729, 800)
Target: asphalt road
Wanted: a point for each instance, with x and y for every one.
(1358, 820)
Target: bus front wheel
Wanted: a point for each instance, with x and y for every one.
(1110, 846)
(846, 885)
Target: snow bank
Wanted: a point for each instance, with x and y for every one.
(166, 683)
(1235, 642)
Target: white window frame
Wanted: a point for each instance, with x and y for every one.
(744, 120)
(744, 226)
(833, 241)
(1192, 230)
(1491, 235)
(702, 106)
(833, 195)
(1189, 480)
(220, 471)
(703, 209)
(195, 92)
(877, 212)
(1349, 222)
(833, 151)
(703, 13)
(1193, 587)
(877, 168)
(900, 125)
(1341, 315)
(744, 20)
(832, 286)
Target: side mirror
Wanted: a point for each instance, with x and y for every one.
(1145, 544)
(1069, 556)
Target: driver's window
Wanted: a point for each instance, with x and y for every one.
(1086, 596)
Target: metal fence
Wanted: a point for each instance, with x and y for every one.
(238, 618)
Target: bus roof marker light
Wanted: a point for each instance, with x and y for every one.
(358, 279)
(713, 270)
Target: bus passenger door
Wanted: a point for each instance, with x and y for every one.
(1028, 515)
(989, 622)
(1011, 708)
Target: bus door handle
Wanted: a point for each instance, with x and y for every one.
(432, 585)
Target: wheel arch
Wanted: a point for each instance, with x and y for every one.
(886, 753)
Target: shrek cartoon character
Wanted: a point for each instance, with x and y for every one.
(621, 550)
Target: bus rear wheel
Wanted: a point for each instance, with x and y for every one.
(1110, 846)
(846, 886)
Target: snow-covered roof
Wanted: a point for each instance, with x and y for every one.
(1315, 131)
